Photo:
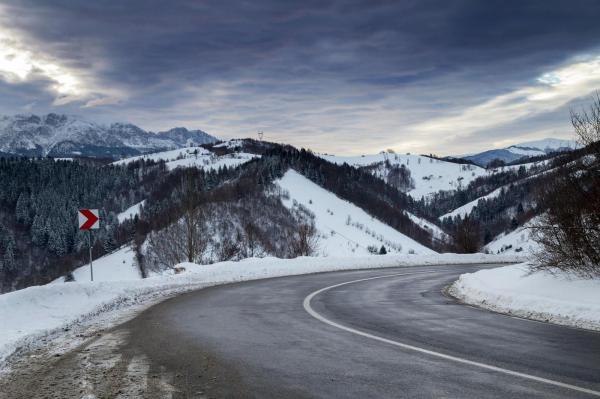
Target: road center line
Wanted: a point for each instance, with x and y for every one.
(318, 316)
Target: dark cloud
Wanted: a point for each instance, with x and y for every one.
(237, 66)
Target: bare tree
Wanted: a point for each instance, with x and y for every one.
(467, 236)
(569, 232)
(586, 124)
(250, 242)
(186, 238)
(304, 241)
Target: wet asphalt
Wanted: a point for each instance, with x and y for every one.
(255, 339)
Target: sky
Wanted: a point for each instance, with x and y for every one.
(344, 77)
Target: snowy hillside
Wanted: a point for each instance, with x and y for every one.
(344, 229)
(467, 208)
(66, 135)
(116, 266)
(515, 242)
(130, 212)
(193, 157)
(436, 231)
(429, 175)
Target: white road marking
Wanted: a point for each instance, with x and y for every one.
(456, 359)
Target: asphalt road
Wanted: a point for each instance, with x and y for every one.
(331, 336)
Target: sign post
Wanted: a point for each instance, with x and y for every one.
(89, 219)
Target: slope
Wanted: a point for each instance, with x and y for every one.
(516, 241)
(344, 229)
(429, 175)
(198, 157)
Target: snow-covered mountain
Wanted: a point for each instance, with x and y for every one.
(522, 150)
(66, 135)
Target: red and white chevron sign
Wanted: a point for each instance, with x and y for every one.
(89, 219)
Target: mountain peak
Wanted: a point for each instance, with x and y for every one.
(523, 150)
(66, 135)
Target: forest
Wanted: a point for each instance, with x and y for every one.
(211, 215)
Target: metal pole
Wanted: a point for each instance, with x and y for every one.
(91, 265)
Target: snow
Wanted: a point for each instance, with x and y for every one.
(130, 212)
(526, 165)
(430, 175)
(516, 241)
(466, 209)
(526, 151)
(344, 228)
(116, 266)
(47, 131)
(165, 155)
(556, 298)
(436, 231)
(33, 316)
(212, 162)
(189, 157)
(231, 144)
(548, 144)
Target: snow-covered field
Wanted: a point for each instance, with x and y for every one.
(344, 228)
(541, 296)
(34, 316)
(198, 157)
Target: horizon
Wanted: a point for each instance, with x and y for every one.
(338, 77)
(340, 154)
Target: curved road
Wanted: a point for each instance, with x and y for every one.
(378, 334)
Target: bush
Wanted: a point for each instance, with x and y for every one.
(569, 232)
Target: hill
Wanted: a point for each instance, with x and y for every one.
(416, 175)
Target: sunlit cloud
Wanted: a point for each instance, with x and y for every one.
(547, 93)
(335, 78)
(21, 63)
(18, 64)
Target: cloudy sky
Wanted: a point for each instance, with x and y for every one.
(346, 77)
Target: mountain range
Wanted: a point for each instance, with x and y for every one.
(523, 150)
(59, 135)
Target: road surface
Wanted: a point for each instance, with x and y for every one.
(387, 333)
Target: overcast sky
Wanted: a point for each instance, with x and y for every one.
(344, 77)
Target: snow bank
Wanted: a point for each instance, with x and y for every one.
(48, 311)
(540, 296)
